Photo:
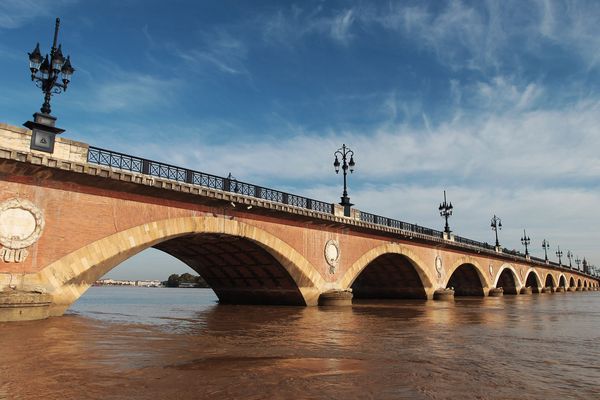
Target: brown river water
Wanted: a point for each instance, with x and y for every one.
(144, 343)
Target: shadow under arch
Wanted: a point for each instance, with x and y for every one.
(562, 281)
(508, 280)
(69, 277)
(405, 266)
(572, 282)
(550, 282)
(533, 281)
(466, 278)
(579, 282)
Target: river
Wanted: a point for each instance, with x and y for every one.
(158, 343)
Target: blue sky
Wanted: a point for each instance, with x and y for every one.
(495, 101)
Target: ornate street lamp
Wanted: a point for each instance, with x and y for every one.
(545, 246)
(559, 254)
(344, 152)
(45, 73)
(496, 224)
(578, 262)
(570, 257)
(525, 240)
(446, 211)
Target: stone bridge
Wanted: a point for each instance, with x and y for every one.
(69, 217)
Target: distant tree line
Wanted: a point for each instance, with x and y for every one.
(175, 280)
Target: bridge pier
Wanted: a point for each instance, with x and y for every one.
(24, 306)
(336, 298)
(443, 295)
(526, 290)
(496, 292)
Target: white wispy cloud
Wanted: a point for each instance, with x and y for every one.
(341, 25)
(217, 49)
(475, 36)
(112, 88)
(15, 13)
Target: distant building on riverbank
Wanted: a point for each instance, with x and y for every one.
(116, 282)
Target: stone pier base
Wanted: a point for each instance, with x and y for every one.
(526, 290)
(336, 298)
(443, 295)
(23, 306)
(560, 290)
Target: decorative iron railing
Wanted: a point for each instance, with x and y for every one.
(474, 243)
(143, 166)
(166, 171)
(394, 223)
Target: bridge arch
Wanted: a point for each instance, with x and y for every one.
(467, 278)
(572, 282)
(578, 282)
(508, 279)
(562, 281)
(533, 280)
(69, 277)
(550, 281)
(404, 266)
(585, 283)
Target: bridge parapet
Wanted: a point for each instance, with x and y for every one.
(19, 139)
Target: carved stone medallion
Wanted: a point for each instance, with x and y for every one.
(332, 254)
(438, 266)
(21, 225)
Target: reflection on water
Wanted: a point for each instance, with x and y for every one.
(127, 343)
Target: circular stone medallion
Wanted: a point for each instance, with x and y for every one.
(332, 254)
(21, 223)
(438, 266)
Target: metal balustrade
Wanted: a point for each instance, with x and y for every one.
(166, 171)
(139, 165)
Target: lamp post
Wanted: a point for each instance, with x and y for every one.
(525, 240)
(545, 246)
(570, 257)
(559, 254)
(496, 224)
(578, 262)
(344, 152)
(45, 73)
(445, 209)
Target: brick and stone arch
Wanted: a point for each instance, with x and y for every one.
(282, 266)
(549, 282)
(389, 271)
(562, 281)
(237, 269)
(467, 279)
(572, 282)
(579, 282)
(508, 280)
(533, 281)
